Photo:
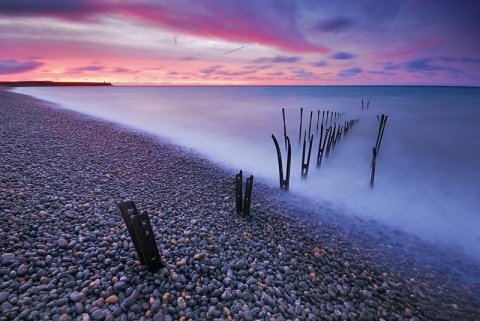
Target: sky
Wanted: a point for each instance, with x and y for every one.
(243, 42)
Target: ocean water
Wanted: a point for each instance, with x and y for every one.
(427, 178)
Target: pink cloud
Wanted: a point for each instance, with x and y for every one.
(270, 23)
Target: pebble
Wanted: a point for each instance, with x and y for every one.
(3, 296)
(112, 299)
(226, 295)
(98, 315)
(181, 303)
(76, 296)
(7, 257)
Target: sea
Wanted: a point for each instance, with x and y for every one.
(427, 169)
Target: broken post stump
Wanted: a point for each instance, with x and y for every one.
(141, 233)
(243, 205)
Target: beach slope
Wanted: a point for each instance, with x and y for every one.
(65, 253)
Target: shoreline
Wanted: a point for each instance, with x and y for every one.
(48, 83)
(65, 172)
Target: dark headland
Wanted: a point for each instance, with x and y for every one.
(65, 253)
(48, 83)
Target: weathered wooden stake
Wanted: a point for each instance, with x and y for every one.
(376, 149)
(321, 147)
(318, 119)
(284, 183)
(310, 124)
(300, 132)
(284, 128)
(331, 139)
(374, 160)
(305, 165)
(243, 208)
(238, 191)
(248, 196)
(383, 122)
(141, 233)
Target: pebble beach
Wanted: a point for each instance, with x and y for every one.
(65, 253)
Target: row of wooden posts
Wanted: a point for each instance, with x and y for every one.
(330, 135)
(140, 228)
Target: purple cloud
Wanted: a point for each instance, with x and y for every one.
(235, 73)
(278, 73)
(302, 73)
(320, 64)
(334, 25)
(72, 9)
(424, 64)
(120, 70)
(278, 59)
(350, 72)
(465, 59)
(256, 68)
(381, 72)
(9, 67)
(342, 55)
(391, 66)
(86, 68)
(210, 70)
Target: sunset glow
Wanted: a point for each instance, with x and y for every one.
(271, 42)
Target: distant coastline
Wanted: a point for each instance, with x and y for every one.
(51, 83)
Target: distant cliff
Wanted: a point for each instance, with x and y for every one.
(50, 83)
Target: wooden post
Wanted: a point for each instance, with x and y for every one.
(321, 146)
(284, 183)
(284, 128)
(248, 196)
(376, 149)
(374, 160)
(238, 191)
(305, 165)
(310, 124)
(141, 233)
(245, 207)
(300, 132)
